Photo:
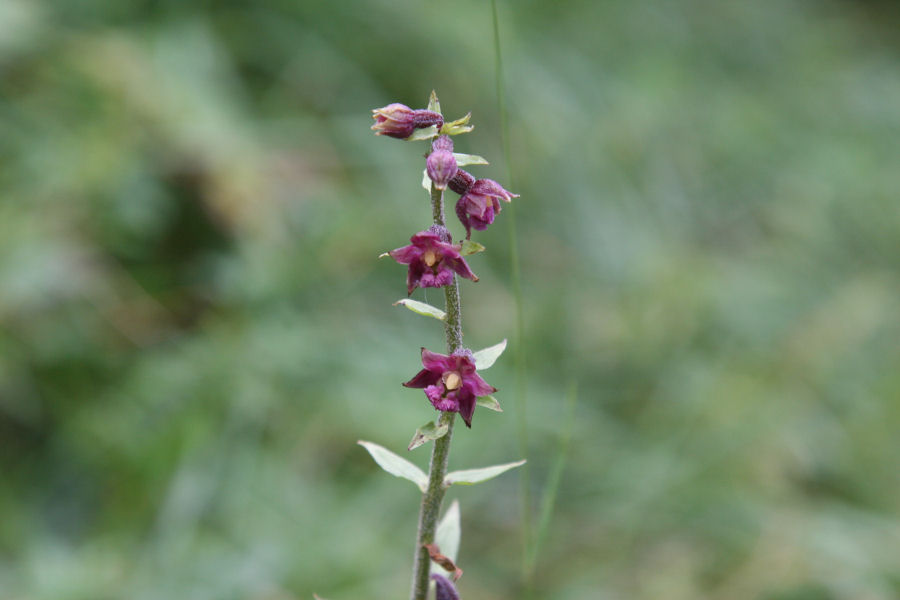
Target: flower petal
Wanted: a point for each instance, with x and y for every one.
(466, 400)
(477, 385)
(437, 363)
(447, 250)
(476, 204)
(406, 254)
(461, 267)
(422, 379)
(425, 239)
(414, 275)
(463, 216)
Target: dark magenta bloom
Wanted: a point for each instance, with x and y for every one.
(451, 383)
(441, 164)
(478, 206)
(432, 259)
(444, 588)
(400, 121)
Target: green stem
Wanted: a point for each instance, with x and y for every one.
(440, 453)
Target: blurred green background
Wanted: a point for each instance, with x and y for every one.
(194, 328)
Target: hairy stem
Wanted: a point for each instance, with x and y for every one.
(434, 494)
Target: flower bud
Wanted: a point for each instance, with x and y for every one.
(441, 164)
(399, 121)
(445, 590)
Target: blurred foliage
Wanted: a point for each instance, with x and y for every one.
(194, 329)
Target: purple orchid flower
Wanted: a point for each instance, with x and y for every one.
(451, 383)
(441, 164)
(444, 588)
(400, 121)
(480, 203)
(432, 259)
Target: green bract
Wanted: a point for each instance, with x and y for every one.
(473, 476)
(422, 308)
(489, 402)
(486, 357)
(396, 465)
(428, 432)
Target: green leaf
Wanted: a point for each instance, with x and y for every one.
(426, 133)
(486, 357)
(447, 536)
(434, 104)
(396, 465)
(488, 402)
(470, 247)
(426, 433)
(458, 126)
(469, 159)
(472, 476)
(422, 308)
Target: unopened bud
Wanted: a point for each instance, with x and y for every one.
(441, 164)
(400, 121)
(445, 590)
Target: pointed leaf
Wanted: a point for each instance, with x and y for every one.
(426, 133)
(422, 308)
(458, 126)
(426, 433)
(486, 357)
(426, 181)
(469, 159)
(472, 476)
(470, 247)
(489, 402)
(434, 104)
(448, 533)
(396, 465)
